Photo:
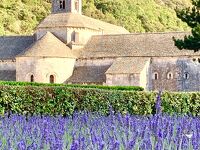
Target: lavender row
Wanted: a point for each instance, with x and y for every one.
(94, 131)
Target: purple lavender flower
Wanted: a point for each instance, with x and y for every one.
(116, 145)
(74, 145)
(101, 145)
(21, 145)
(158, 103)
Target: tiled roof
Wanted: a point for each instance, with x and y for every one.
(89, 74)
(48, 46)
(10, 46)
(79, 21)
(8, 75)
(127, 65)
(136, 45)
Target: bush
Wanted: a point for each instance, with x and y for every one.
(65, 101)
(128, 88)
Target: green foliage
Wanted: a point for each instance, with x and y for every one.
(64, 101)
(192, 17)
(127, 88)
(22, 16)
(181, 103)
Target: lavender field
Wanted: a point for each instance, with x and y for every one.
(92, 131)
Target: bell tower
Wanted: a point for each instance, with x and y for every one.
(67, 6)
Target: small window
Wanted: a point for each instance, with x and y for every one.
(52, 79)
(199, 60)
(32, 78)
(76, 5)
(62, 4)
(169, 76)
(186, 75)
(155, 76)
(76, 37)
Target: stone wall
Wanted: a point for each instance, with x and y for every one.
(185, 74)
(42, 68)
(7, 65)
(83, 33)
(69, 6)
(162, 67)
(144, 76)
(67, 35)
(95, 62)
(7, 70)
(123, 79)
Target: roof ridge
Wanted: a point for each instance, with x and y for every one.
(144, 33)
(15, 36)
(48, 46)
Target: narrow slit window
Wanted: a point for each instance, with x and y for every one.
(52, 79)
(186, 75)
(76, 6)
(63, 4)
(169, 76)
(155, 76)
(32, 78)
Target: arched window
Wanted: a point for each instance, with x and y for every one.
(186, 75)
(62, 4)
(52, 79)
(76, 5)
(169, 76)
(155, 76)
(32, 78)
(76, 40)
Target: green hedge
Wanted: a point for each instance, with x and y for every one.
(127, 88)
(63, 100)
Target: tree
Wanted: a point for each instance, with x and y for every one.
(192, 17)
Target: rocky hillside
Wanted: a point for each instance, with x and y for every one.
(22, 16)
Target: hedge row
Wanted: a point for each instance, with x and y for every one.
(65, 101)
(127, 88)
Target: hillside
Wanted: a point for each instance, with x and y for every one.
(22, 16)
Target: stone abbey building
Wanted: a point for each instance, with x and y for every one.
(68, 47)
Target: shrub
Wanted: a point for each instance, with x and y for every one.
(12, 83)
(64, 101)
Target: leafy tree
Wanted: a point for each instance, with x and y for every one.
(23, 16)
(192, 17)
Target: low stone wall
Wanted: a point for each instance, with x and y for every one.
(7, 65)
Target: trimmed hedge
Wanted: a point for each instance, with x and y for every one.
(127, 88)
(65, 101)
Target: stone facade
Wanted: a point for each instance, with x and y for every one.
(43, 68)
(69, 47)
(185, 74)
(7, 65)
(68, 35)
(73, 6)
